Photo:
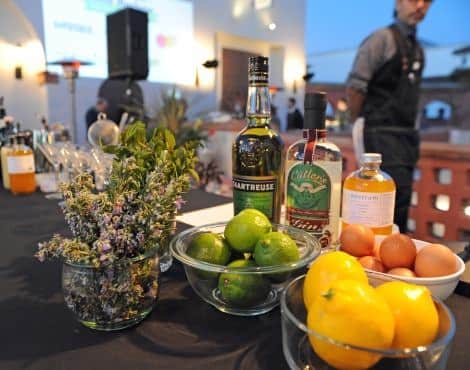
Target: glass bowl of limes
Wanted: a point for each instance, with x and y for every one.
(307, 346)
(241, 266)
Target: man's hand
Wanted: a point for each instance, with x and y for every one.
(355, 102)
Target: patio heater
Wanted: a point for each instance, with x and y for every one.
(70, 68)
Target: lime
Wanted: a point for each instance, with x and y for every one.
(275, 248)
(243, 289)
(211, 248)
(245, 229)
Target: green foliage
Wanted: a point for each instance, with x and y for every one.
(136, 211)
(172, 115)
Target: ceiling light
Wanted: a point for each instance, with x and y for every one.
(272, 26)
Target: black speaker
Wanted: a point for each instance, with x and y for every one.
(127, 44)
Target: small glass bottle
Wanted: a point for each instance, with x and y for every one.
(313, 176)
(369, 196)
(21, 170)
(6, 148)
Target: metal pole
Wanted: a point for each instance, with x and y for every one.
(73, 106)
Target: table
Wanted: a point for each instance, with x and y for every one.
(38, 332)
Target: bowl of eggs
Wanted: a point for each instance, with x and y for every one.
(398, 257)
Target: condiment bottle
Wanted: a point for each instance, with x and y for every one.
(369, 196)
(21, 170)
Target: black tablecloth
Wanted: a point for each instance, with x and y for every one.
(38, 332)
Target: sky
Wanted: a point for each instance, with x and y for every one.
(343, 24)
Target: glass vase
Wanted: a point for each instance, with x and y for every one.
(166, 259)
(112, 297)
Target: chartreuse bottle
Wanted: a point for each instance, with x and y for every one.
(313, 176)
(257, 152)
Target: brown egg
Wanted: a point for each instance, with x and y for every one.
(376, 251)
(435, 260)
(397, 250)
(401, 271)
(371, 263)
(357, 240)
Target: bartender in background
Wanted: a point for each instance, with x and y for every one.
(91, 116)
(383, 90)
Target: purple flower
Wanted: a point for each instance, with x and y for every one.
(41, 257)
(117, 209)
(104, 257)
(179, 202)
(105, 247)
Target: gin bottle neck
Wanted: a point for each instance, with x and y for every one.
(312, 134)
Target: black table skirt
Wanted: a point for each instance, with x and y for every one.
(38, 332)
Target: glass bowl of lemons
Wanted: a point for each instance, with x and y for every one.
(241, 266)
(351, 325)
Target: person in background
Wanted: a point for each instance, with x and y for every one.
(275, 120)
(91, 116)
(383, 90)
(238, 105)
(295, 120)
(342, 114)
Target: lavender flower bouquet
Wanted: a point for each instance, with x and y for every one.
(110, 265)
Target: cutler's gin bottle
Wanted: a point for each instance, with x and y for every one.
(257, 152)
(313, 176)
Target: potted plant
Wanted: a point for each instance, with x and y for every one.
(110, 264)
(172, 114)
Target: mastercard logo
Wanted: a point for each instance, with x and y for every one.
(164, 41)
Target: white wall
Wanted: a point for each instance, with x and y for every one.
(239, 19)
(234, 17)
(20, 45)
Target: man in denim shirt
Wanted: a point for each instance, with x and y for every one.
(383, 88)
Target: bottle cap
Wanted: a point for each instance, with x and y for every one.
(258, 64)
(315, 107)
(371, 158)
(315, 101)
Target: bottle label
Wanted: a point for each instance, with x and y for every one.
(258, 79)
(20, 164)
(255, 192)
(369, 209)
(308, 192)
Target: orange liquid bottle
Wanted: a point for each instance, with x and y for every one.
(369, 196)
(21, 168)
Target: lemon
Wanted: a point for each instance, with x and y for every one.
(243, 289)
(350, 312)
(416, 316)
(245, 229)
(328, 268)
(211, 248)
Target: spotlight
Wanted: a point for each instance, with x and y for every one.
(211, 63)
(308, 76)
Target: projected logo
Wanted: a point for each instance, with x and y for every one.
(164, 41)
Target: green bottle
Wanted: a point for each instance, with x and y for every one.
(258, 151)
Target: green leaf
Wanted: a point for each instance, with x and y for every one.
(170, 139)
(194, 175)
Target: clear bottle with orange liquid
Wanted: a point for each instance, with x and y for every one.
(369, 196)
(21, 168)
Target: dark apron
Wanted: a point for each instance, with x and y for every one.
(390, 112)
